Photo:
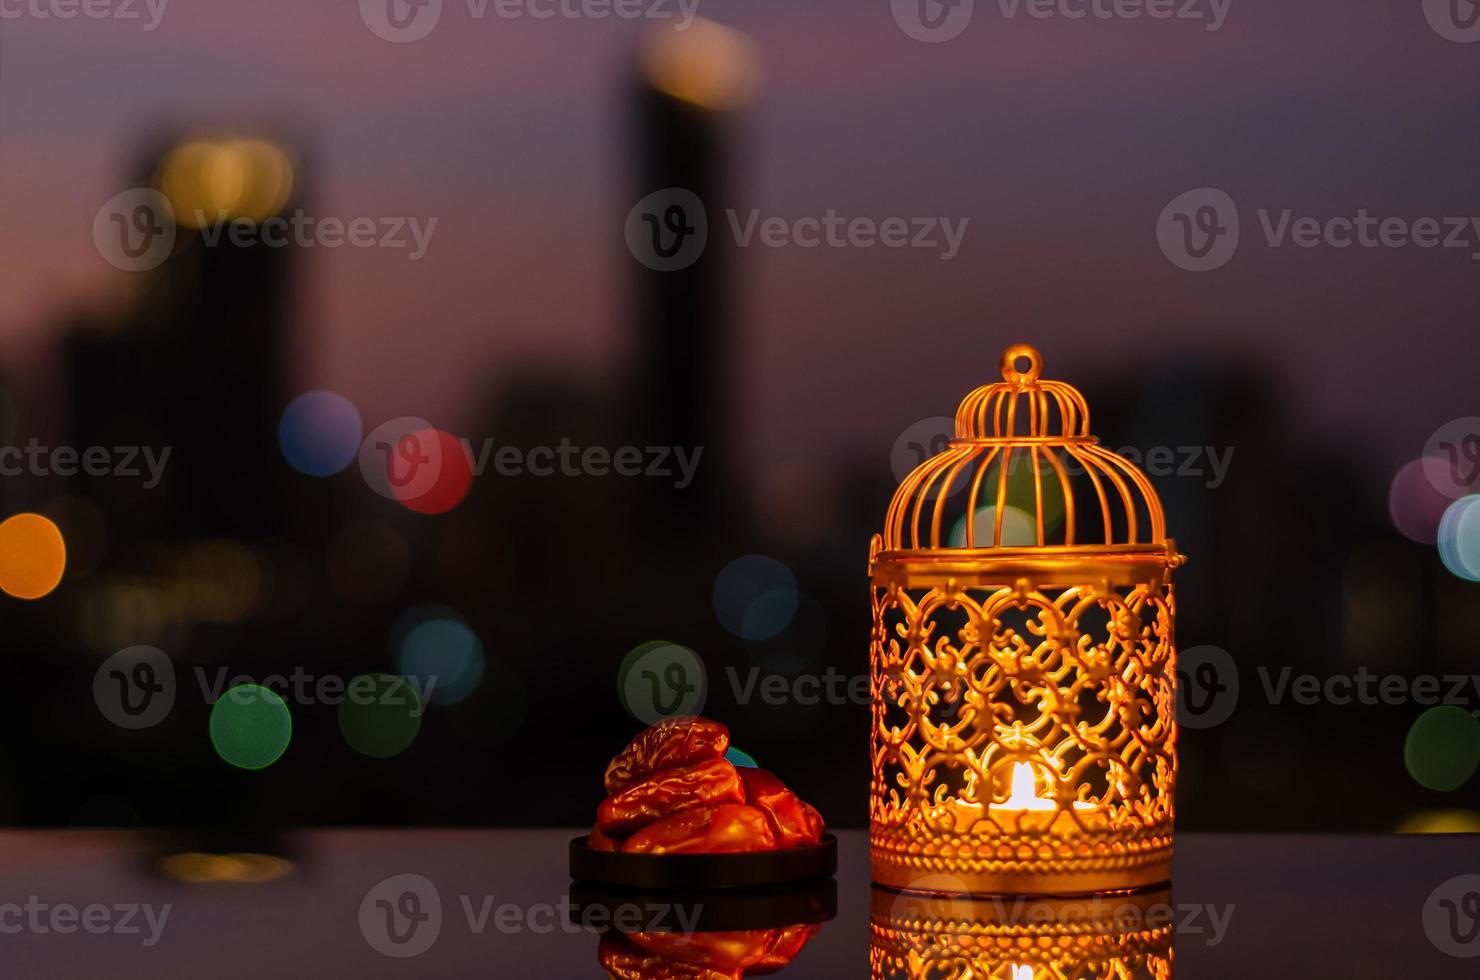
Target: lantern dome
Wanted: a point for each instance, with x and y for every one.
(1024, 472)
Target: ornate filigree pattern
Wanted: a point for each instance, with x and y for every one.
(970, 685)
(1023, 692)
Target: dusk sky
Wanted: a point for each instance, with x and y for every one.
(1060, 140)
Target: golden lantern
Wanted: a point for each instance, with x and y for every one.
(925, 937)
(1022, 661)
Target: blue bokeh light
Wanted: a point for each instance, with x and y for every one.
(320, 433)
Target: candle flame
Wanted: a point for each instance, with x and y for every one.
(1024, 794)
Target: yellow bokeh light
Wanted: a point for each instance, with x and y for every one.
(708, 64)
(208, 181)
(1441, 822)
(32, 556)
(237, 869)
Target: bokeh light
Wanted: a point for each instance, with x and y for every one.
(439, 653)
(380, 715)
(755, 597)
(320, 433)
(207, 181)
(1443, 748)
(1414, 505)
(1459, 538)
(250, 727)
(1441, 822)
(708, 64)
(217, 580)
(739, 757)
(454, 476)
(33, 556)
(1018, 528)
(241, 868)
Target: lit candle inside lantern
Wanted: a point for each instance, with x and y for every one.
(1023, 795)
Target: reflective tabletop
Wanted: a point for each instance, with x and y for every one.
(497, 903)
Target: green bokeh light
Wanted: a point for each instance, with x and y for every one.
(251, 727)
(739, 757)
(1443, 748)
(380, 715)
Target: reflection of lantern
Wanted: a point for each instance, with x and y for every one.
(1022, 657)
(923, 937)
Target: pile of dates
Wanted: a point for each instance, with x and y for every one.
(671, 791)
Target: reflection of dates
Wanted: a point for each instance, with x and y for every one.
(705, 830)
(671, 743)
(709, 783)
(701, 956)
(794, 823)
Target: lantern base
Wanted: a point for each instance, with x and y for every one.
(1122, 869)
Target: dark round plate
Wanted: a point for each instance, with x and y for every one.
(703, 871)
(732, 910)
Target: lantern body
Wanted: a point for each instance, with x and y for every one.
(1022, 661)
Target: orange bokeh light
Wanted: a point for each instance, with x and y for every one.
(32, 556)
